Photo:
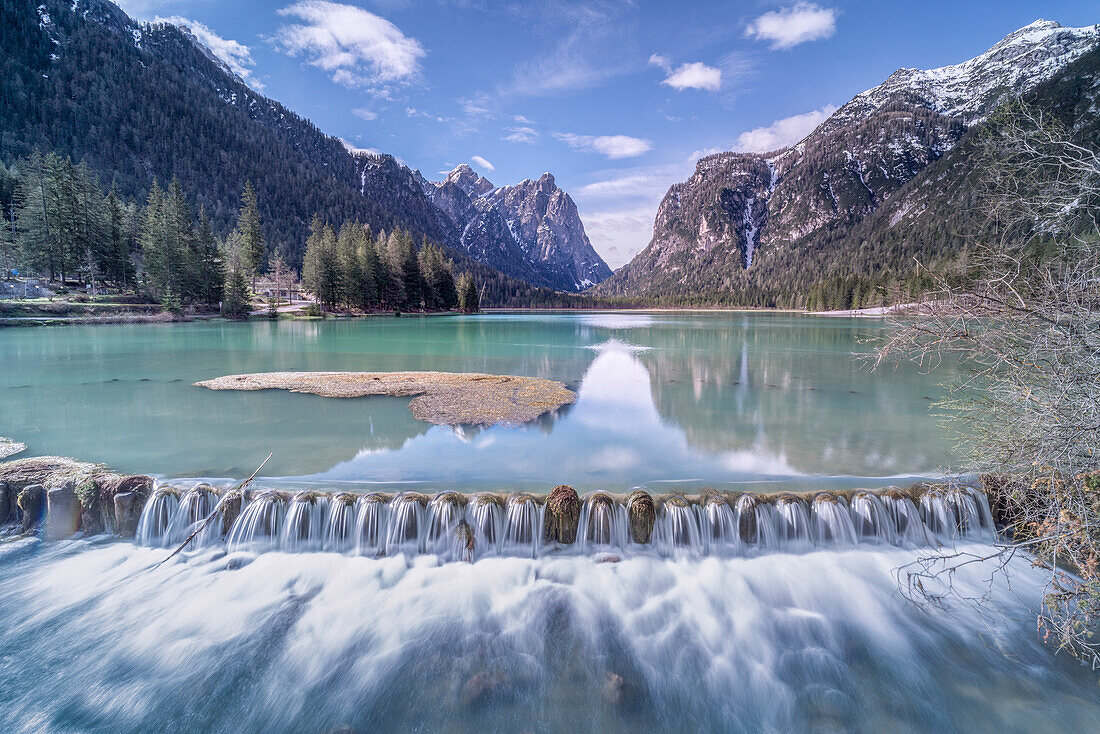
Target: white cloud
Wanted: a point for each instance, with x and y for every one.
(661, 61)
(233, 54)
(783, 133)
(354, 150)
(696, 75)
(521, 135)
(482, 163)
(619, 234)
(364, 114)
(523, 120)
(790, 26)
(356, 47)
(629, 184)
(612, 146)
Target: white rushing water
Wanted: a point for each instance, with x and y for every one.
(97, 637)
(455, 527)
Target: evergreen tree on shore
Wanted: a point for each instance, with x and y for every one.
(468, 300)
(250, 228)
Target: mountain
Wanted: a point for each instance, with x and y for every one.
(140, 102)
(860, 197)
(533, 225)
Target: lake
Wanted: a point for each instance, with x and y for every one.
(666, 400)
(695, 631)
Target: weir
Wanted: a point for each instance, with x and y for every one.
(456, 526)
(465, 527)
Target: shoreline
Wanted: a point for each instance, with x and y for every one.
(163, 317)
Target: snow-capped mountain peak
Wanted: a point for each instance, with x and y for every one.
(1017, 63)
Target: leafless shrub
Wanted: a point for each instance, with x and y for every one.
(1024, 325)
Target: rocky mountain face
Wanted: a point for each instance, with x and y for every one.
(531, 231)
(763, 229)
(532, 226)
(141, 101)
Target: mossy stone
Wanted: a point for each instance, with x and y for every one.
(643, 514)
(563, 513)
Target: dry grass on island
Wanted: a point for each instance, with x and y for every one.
(443, 398)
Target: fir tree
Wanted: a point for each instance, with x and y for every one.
(349, 244)
(321, 269)
(236, 302)
(468, 300)
(209, 277)
(250, 227)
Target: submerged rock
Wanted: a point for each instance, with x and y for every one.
(643, 514)
(32, 503)
(563, 513)
(480, 688)
(619, 690)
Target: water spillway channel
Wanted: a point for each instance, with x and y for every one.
(460, 527)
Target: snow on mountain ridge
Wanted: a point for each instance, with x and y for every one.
(1019, 62)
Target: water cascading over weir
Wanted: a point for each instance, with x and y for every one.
(465, 527)
(461, 527)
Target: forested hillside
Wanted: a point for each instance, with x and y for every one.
(138, 104)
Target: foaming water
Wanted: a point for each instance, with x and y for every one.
(98, 638)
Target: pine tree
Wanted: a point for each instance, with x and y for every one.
(92, 241)
(390, 292)
(349, 244)
(372, 266)
(180, 231)
(209, 276)
(156, 237)
(236, 302)
(321, 267)
(114, 261)
(251, 232)
(405, 269)
(468, 300)
(39, 241)
(439, 283)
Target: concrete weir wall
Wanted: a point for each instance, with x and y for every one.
(58, 497)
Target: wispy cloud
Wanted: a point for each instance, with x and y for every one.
(234, 54)
(482, 163)
(628, 184)
(790, 26)
(521, 134)
(358, 48)
(612, 146)
(661, 61)
(365, 114)
(596, 45)
(784, 132)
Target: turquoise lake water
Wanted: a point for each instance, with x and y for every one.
(665, 400)
(103, 634)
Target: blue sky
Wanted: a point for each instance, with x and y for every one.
(616, 98)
